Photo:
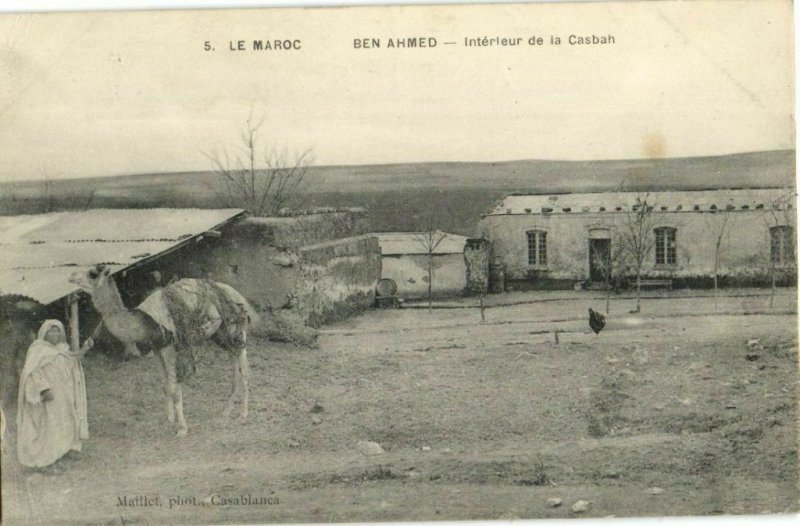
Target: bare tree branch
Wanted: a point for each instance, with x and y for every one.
(719, 223)
(637, 239)
(262, 190)
(429, 240)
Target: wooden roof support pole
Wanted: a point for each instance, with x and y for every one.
(74, 326)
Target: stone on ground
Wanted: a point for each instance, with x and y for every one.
(369, 448)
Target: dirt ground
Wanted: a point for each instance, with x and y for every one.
(668, 412)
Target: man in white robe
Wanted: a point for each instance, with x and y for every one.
(51, 407)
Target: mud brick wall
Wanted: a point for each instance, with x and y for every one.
(308, 229)
(337, 278)
(268, 261)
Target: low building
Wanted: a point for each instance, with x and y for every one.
(313, 267)
(316, 266)
(39, 253)
(553, 241)
(405, 260)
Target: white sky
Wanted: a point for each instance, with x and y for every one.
(88, 94)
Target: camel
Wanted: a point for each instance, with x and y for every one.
(217, 310)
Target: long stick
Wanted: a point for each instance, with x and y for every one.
(96, 329)
(74, 335)
(92, 336)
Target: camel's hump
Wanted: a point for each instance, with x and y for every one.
(189, 291)
(155, 307)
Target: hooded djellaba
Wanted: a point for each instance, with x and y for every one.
(51, 408)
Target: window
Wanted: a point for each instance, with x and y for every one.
(666, 247)
(782, 244)
(537, 248)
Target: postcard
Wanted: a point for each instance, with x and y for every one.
(398, 263)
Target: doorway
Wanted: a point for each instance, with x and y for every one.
(599, 259)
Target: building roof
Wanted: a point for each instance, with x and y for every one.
(39, 252)
(667, 201)
(408, 243)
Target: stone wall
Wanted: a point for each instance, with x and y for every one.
(477, 253)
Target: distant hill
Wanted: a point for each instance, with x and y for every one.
(761, 169)
(401, 196)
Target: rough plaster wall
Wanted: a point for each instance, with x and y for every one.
(265, 275)
(313, 284)
(318, 274)
(303, 230)
(410, 272)
(337, 278)
(744, 253)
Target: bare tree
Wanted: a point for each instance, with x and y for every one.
(55, 196)
(429, 240)
(260, 180)
(47, 199)
(89, 200)
(607, 266)
(637, 238)
(719, 224)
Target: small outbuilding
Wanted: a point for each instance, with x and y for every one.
(406, 257)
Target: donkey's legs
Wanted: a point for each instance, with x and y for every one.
(162, 369)
(174, 388)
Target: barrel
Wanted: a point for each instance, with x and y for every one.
(386, 287)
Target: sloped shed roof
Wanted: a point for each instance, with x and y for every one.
(671, 201)
(406, 243)
(39, 252)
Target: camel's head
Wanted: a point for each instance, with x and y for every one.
(93, 279)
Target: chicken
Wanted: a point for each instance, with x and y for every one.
(596, 321)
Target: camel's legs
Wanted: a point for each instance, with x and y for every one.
(245, 375)
(162, 369)
(132, 350)
(182, 427)
(235, 374)
(240, 376)
(173, 387)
